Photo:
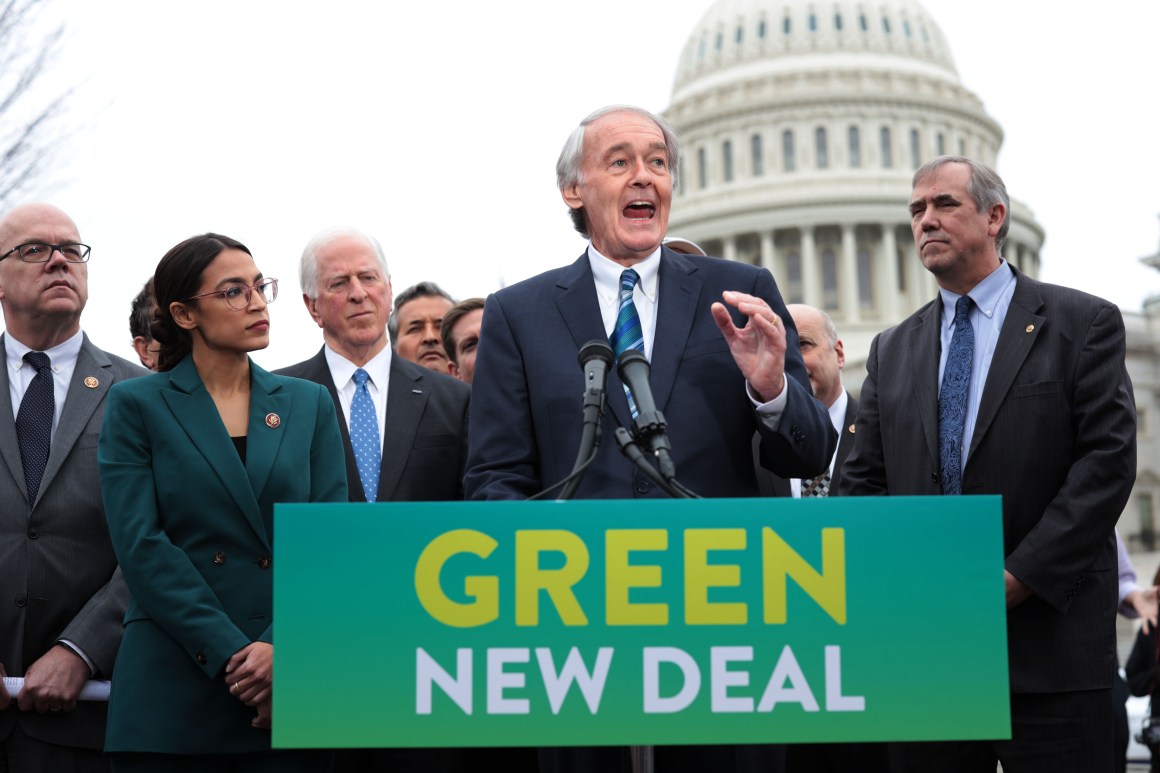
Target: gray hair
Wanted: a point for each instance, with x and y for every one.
(421, 290)
(308, 264)
(569, 164)
(985, 186)
(827, 324)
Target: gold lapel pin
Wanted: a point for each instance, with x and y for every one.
(1030, 328)
(91, 382)
(273, 420)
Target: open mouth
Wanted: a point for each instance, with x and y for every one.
(640, 210)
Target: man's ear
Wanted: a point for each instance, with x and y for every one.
(572, 197)
(312, 308)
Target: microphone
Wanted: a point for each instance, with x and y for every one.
(595, 357)
(649, 425)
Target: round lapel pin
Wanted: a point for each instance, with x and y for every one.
(272, 420)
(91, 382)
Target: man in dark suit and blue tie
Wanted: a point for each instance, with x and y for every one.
(63, 596)
(723, 353)
(404, 427)
(1006, 385)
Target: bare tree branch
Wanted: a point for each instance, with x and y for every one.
(31, 126)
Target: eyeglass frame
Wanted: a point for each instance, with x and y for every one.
(268, 281)
(51, 249)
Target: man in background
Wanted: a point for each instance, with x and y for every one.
(64, 599)
(417, 442)
(460, 334)
(1006, 385)
(140, 318)
(416, 322)
(824, 358)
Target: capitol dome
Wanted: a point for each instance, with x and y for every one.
(801, 125)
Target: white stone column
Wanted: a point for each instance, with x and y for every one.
(888, 298)
(729, 248)
(767, 252)
(811, 271)
(848, 275)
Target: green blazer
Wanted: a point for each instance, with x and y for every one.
(188, 522)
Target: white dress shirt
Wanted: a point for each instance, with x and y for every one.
(378, 368)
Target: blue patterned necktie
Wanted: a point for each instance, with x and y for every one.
(364, 436)
(34, 423)
(952, 398)
(626, 332)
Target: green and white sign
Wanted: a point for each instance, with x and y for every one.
(639, 622)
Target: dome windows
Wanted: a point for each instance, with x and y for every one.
(886, 148)
(727, 160)
(821, 148)
(788, 162)
(758, 155)
(854, 149)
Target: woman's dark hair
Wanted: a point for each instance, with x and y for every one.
(178, 276)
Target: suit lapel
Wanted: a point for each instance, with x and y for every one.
(319, 372)
(845, 440)
(926, 343)
(406, 399)
(9, 447)
(1020, 329)
(91, 379)
(677, 295)
(270, 410)
(580, 310)
(195, 412)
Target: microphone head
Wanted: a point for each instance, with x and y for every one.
(595, 350)
(629, 358)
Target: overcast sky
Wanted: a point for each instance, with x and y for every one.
(435, 126)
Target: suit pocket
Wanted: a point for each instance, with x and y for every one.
(436, 441)
(1038, 389)
(702, 348)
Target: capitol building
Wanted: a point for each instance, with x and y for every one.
(801, 125)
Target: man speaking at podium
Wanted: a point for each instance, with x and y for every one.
(722, 349)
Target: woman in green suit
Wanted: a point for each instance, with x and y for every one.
(192, 461)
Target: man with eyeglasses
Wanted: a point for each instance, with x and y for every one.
(62, 598)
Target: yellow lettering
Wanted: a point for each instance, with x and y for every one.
(531, 579)
(484, 590)
(700, 575)
(828, 589)
(621, 576)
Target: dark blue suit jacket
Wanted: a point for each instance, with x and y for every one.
(527, 396)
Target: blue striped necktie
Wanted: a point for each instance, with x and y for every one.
(952, 398)
(364, 436)
(34, 423)
(627, 333)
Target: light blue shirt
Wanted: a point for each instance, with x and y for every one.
(992, 298)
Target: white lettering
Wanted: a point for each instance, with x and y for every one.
(591, 684)
(798, 691)
(653, 702)
(498, 680)
(835, 701)
(457, 688)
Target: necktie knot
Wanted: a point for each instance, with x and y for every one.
(361, 377)
(39, 361)
(628, 280)
(963, 308)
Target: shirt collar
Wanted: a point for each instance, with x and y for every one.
(985, 294)
(59, 355)
(606, 273)
(342, 370)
